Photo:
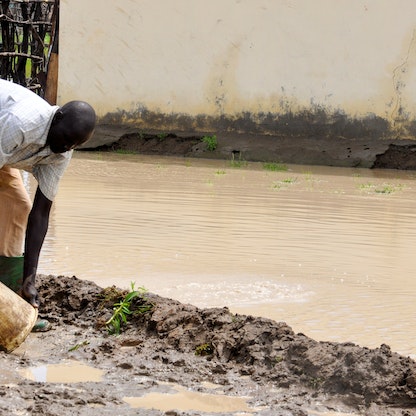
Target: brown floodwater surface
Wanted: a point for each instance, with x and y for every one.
(330, 251)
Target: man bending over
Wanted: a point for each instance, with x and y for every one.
(38, 138)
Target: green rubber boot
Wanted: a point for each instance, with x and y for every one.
(11, 272)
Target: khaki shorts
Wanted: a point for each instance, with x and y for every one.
(15, 206)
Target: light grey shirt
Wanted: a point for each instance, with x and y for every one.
(25, 119)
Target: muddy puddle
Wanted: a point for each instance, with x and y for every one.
(328, 250)
(184, 400)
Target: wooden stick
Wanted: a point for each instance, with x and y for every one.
(51, 90)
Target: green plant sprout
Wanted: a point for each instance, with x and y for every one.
(388, 189)
(272, 166)
(288, 180)
(385, 188)
(79, 345)
(204, 349)
(238, 163)
(122, 310)
(285, 181)
(211, 142)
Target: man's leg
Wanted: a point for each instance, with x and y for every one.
(15, 206)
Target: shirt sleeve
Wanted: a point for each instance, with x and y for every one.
(49, 175)
(11, 137)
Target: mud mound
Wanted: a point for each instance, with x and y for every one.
(153, 144)
(286, 373)
(368, 152)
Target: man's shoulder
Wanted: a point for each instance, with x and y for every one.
(10, 88)
(30, 113)
(11, 94)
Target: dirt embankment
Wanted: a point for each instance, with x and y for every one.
(278, 371)
(369, 152)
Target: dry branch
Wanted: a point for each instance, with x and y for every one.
(25, 55)
(24, 22)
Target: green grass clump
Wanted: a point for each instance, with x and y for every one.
(288, 180)
(238, 163)
(211, 142)
(275, 167)
(385, 188)
(283, 183)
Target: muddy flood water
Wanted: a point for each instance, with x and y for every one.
(330, 251)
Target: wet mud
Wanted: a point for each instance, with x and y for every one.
(207, 351)
(277, 371)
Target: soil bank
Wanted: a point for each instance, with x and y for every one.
(367, 152)
(277, 371)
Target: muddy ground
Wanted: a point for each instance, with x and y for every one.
(210, 351)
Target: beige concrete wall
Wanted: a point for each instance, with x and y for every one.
(226, 57)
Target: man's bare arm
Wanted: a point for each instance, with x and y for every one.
(37, 226)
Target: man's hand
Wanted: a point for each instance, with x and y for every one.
(29, 292)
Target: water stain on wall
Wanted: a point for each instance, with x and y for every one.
(314, 122)
(402, 82)
(286, 131)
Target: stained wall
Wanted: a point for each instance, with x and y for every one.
(344, 68)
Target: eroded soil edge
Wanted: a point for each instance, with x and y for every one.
(370, 152)
(281, 372)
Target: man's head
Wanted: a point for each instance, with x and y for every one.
(72, 125)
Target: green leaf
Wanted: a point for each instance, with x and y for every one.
(122, 309)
